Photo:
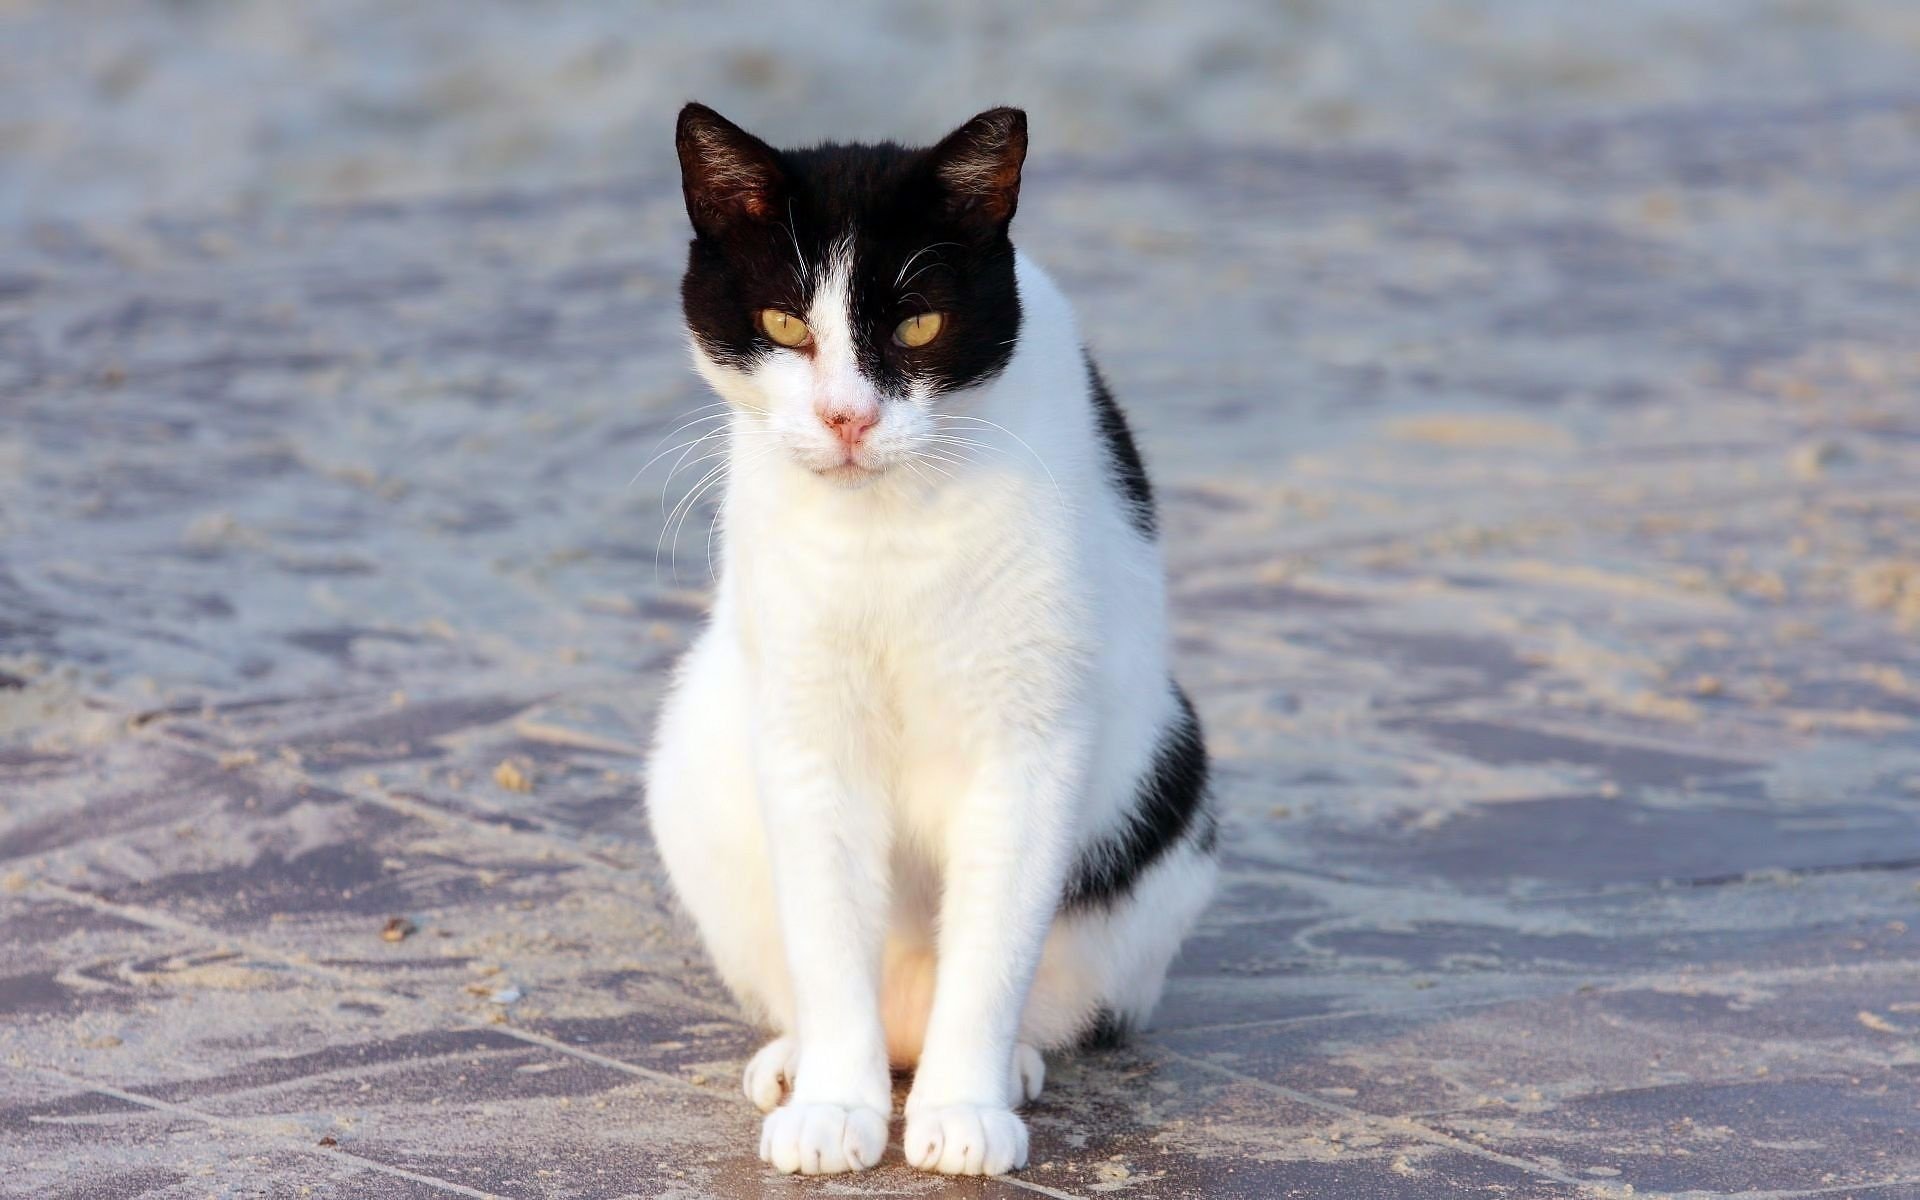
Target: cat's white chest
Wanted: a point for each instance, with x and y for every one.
(933, 618)
(916, 574)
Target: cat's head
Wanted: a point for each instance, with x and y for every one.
(842, 293)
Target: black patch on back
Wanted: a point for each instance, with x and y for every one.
(1123, 457)
(913, 252)
(1171, 804)
(1208, 839)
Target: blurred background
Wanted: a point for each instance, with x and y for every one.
(111, 109)
(1533, 394)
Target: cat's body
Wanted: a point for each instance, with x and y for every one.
(925, 781)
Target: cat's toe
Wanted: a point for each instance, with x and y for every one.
(966, 1139)
(822, 1139)
(769, 1073)
(1028, 1076)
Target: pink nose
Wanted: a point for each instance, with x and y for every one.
(848, 425)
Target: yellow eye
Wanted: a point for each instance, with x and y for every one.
(784, 328)
(915, 332)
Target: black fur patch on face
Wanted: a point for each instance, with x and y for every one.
(926, 231)
(1123, 457)
(1171, 804)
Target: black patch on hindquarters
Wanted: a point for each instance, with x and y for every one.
(1107, 1031)
(1170, 804)
(1129, 473)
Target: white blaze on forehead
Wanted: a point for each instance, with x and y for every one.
(836, 368)
(830, 317)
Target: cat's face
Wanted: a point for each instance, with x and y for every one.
(844, 294)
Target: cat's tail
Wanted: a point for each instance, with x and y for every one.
(906, 999)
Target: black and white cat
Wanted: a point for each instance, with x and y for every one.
(924, 781)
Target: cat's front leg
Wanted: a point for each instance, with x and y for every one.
(827, 837)
(1006, 858)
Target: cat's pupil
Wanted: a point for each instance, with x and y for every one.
(784, 328)
(918, 330)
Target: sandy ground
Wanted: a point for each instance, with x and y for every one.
(1535, 394)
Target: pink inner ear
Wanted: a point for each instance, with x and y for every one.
(728, 172)
(727, 181)
(1003, 182)
(982, 162)
(747, 201)
(989, 180)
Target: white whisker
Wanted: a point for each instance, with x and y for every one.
(928, 461)
(936, 456)
(800, 260)
(681, 461)
(684, 509)
(916, 257)
(909, 465)
(1016, 437)
(687, 424)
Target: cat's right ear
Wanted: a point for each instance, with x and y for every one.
(728, 175)
(978, 168)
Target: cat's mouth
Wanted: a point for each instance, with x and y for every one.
(848, 471)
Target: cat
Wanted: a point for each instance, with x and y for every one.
(924, 782)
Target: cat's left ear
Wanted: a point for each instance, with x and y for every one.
(727, 174)
(978, 168)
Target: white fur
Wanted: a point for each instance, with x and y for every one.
(927, 682)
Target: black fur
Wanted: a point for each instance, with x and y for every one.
(1172, 804)
(1107, 1031)
(1129, 473)
(765, 221)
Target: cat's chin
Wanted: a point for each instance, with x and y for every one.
(849, 475)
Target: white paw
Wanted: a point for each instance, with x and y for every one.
(1028, 1076)
(822, 1139)
(770, 1073)
(966, 1139)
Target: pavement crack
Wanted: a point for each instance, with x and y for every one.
(1785, 873)
(250, 1129)
(1400, 1125)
